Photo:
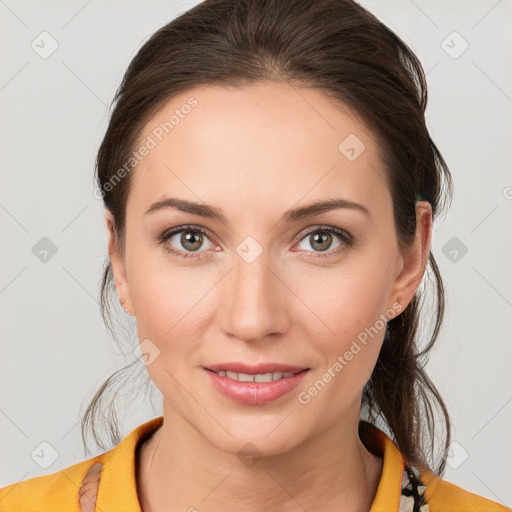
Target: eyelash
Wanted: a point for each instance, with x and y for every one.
(164, 237)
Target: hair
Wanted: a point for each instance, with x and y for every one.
(342, 50)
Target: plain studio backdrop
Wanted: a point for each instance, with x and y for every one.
(61, 63)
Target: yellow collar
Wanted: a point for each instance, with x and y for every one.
(389, 490)
(117, 489)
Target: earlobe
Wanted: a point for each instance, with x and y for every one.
(125, 307)
(424, 219)
(416, 257)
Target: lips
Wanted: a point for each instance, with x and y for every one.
(237, 388)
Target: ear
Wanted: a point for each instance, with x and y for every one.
(118, 265)
(415, 259)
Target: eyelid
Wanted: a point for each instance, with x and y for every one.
(192, 227)
(325, 227)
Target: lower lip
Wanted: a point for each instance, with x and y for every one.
(255, 393)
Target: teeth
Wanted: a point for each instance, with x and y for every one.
(259, 377)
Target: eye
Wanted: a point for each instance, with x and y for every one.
(323, 239)
(190, 238)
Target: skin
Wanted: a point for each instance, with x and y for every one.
(256, 152)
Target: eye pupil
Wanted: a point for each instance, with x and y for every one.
(321, 238)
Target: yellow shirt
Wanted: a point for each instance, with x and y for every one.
(58, 492)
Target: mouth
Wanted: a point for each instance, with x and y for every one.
(256, 385)
(262, 372)
(256, 377)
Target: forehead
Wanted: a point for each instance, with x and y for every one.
(255, 146)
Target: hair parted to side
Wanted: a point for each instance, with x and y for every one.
(339, 48)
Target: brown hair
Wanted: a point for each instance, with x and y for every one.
(339, 48)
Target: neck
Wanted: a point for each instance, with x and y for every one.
(180, 470)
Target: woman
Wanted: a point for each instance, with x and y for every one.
(270, 187)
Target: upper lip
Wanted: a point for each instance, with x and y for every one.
(240, 367)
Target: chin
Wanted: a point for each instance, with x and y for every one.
(256, 439)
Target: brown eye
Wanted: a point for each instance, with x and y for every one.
(185, 241)
(191, 240)
(321, 240)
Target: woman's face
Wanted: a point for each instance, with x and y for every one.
(262, 285)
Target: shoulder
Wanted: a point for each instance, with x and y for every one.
(55, 492)
(443, 496)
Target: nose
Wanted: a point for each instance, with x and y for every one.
(255, 299)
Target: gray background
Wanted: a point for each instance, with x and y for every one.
(55, 349)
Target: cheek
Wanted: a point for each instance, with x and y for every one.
(341, 304)
(347, 333)
(171, 305)
(168, 297)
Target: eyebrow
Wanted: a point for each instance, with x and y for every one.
(204, 210)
